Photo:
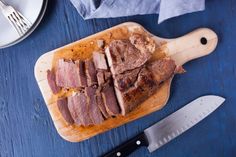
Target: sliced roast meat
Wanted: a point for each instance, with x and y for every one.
(79, 109)
(127, 79)
(94, 111)
(63, 108)
(101, 105)
(52, 82)
(81, 72)
(61, 73)
(144, 86)
(99, 61)
(90, 72)
(109, 99)
(143, 43)
(123, 56)
(100, 78)
(162, 69)
(70, 74)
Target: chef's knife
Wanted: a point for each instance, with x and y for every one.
(170, 127)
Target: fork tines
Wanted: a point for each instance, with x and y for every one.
(21, 24)
(16, 19)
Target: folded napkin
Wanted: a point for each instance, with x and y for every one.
(89, 9)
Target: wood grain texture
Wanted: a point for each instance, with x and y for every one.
(182, 50)
(27, 130)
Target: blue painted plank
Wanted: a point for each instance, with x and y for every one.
(26, 129)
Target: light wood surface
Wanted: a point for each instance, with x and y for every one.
(181, 49)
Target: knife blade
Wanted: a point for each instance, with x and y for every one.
(170, 127)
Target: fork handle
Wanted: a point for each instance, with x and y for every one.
(2, 4)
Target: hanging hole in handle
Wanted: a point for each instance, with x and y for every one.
(203, 41)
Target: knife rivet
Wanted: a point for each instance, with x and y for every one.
(118, 154)
(138, 142)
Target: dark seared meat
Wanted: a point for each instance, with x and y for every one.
(109, 99)
(94, 111)
(99, 61)
(79, 109)
(162, 69)
(63, 108)
(144, 87)
(123, 56)
(52, 82)
(143, 43)
(90, 73)
(137, 86)
(127, 79)
(81, 72)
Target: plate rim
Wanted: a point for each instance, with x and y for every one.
(33, 27)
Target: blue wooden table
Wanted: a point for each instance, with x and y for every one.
(26, 129)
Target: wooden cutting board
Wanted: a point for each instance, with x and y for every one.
(196, 44)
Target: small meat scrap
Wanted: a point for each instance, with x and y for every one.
(101, 43)
(79, 109)
(52, 82)
(63, 108)
(90, 72)
(94, 111)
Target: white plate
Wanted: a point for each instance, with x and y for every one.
(33, 10)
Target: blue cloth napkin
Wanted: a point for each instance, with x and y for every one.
(89, 9)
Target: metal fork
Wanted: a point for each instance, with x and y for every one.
(16, 19)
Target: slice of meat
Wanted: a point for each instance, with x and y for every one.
(72, 76)
(67, 74)
(100, 78)
(99, 61)
(61, 73)
(143, 43)
(136, 88)
(101, 105)
(63, 108)
(123, 56)
(90, 72)
(144, 86)
(109, 99)
(162, 69)
(94, 111)
(81, 73)
(127, 79)
(52, 82)
(79, 109)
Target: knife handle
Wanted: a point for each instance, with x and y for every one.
(128, 147)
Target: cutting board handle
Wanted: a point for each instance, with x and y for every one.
(193, 45)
